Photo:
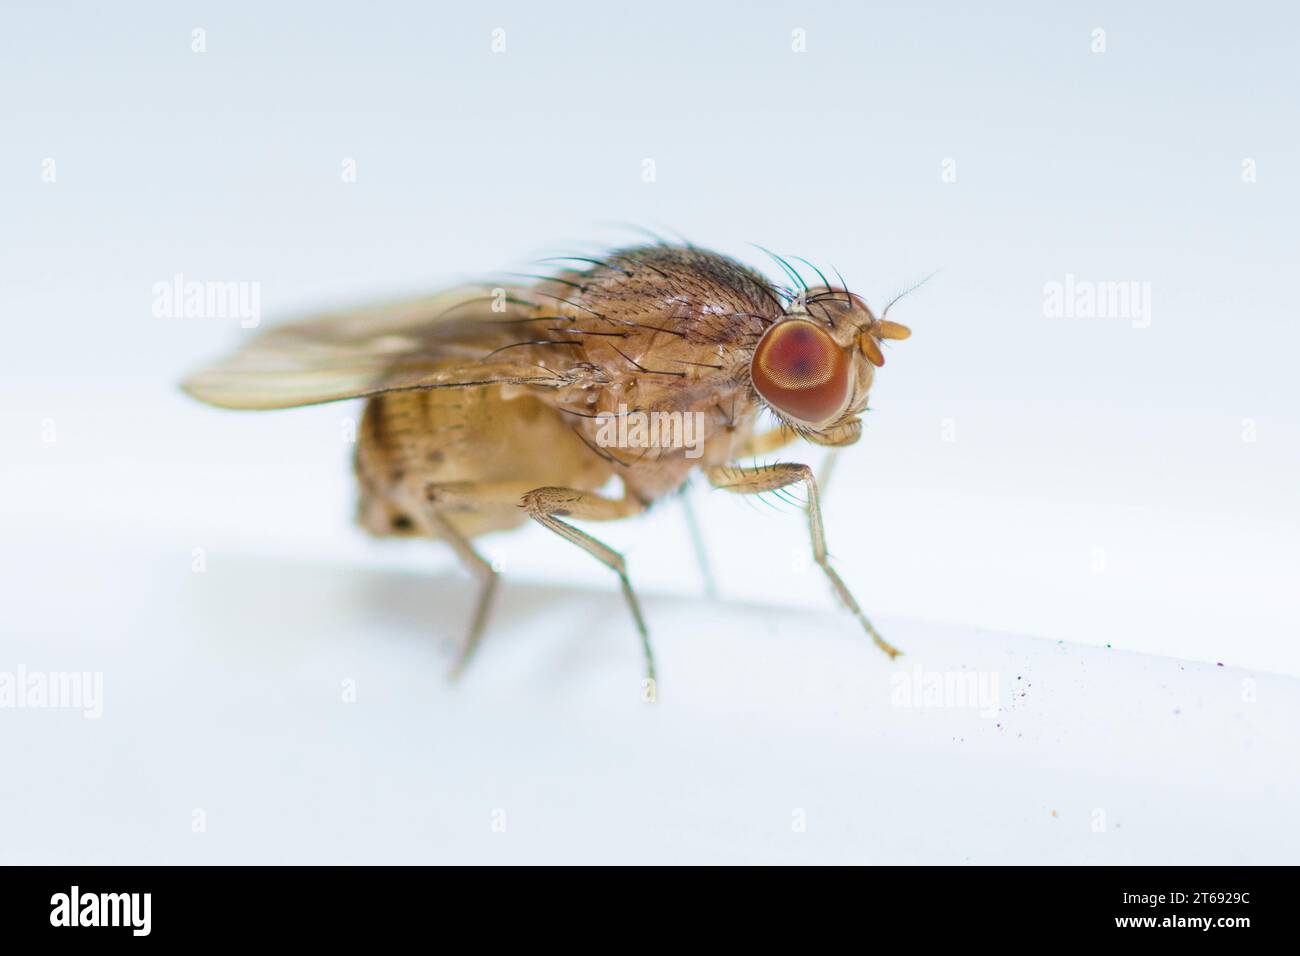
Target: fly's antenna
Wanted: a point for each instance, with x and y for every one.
(907, 291)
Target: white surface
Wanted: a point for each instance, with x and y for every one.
(223, 692)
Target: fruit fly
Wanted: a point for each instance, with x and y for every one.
(490, 406)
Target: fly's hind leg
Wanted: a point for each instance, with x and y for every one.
(488, 578)
(753, 481)
(547, 506)
(444, 499)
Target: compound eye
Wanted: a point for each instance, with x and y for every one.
(800, 371)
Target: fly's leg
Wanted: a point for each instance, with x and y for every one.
(697, 542)
(777, 439)
(547, 506)
(488, 579)
(828, 468)
(444, 499)
(768, 441)
(753, 481)
(772, 440)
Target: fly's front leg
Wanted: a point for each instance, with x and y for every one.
(776, 439)
(771, 440)
(753, 481)
(547, 506)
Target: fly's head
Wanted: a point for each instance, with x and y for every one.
(814, 366)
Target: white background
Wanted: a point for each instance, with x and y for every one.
(1114, 488)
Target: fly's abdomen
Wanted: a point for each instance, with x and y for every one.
(476, 438)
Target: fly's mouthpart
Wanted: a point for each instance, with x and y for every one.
(871, 349)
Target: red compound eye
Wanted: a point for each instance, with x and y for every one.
(799, 370)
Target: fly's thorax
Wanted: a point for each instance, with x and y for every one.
(699, 295)
(655, 437)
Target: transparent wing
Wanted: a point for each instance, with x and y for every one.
(451, 339)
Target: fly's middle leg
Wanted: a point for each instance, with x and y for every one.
(547, 506)
(697, 543)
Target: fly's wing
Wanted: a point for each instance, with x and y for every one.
(450, 339)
